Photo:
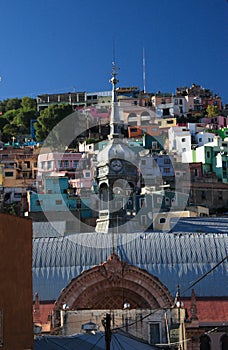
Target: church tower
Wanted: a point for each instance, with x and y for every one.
(117, 176)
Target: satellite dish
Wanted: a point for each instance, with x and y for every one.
(144, 152)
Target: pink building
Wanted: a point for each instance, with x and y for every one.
(217, 122)
(58, 164)
(76, 166)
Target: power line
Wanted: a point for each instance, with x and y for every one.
(168, 306)
(203, 276)
(93, 346)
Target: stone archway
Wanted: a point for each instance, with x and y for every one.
(110, 285)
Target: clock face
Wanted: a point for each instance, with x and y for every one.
(116, 165)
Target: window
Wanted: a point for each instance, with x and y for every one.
(58, 202)
(49, 164)
(208, 154)
(162, 220)
(167, 161)
(75, 163)
(220, 195)
(183, 139)
(203, 195)
(143, 220)
(66, 163)
(87, 174)
(166, 170)
(9, 173)
(154, 333)
(143, 162)
(154, 145)
(142, 202)
(129, 203)
(200, 139)
(38, 202)
(159, 200)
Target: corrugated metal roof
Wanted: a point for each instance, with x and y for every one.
(200, 224)
(175, 258)
(88, 342)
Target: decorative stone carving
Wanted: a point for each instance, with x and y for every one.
(113, 269)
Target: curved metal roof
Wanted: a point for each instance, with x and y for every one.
(175, 258)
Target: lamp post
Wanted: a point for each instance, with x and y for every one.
(107, 326)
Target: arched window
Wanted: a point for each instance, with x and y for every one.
(132, 119)
(205, 343)
(145, 118)
(224, 342)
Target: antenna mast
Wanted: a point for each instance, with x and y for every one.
(144, 71)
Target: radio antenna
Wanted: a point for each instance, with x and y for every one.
(144, 72)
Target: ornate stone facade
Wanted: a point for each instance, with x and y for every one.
(110, 285)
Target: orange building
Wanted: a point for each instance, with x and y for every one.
(16, 326)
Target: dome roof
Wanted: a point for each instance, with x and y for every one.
(116, 148)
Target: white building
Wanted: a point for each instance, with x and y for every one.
(179, 140)
(203, 138)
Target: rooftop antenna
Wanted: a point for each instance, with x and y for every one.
(144, 71)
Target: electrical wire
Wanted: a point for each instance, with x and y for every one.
(118, 342)
(122, 347)
(168, 306)
(203, 276)
(93, 346)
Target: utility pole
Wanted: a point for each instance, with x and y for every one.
(107, 326)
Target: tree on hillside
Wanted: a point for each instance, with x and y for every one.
(9, 131)
(12, 103)
(28, 103)
(212, 111)
(10, 115)
(49, 118)
(16, 122)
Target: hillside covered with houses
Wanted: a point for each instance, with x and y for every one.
(166, 130)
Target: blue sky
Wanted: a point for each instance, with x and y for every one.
(51, 46)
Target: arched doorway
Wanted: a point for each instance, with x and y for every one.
(224, 342)
(110, 285)
(205, 342)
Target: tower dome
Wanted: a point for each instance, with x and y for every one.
(116, 149)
